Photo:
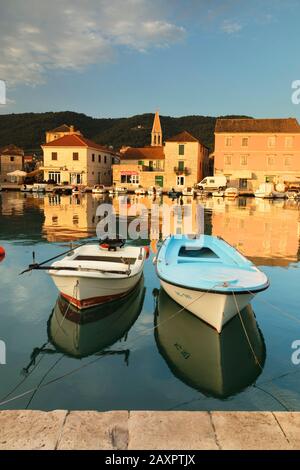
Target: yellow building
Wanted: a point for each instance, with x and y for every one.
(69, 218)
(73, 159)
(61, 131)
(181, 162)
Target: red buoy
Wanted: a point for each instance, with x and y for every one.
(147, 250)
(2, 253)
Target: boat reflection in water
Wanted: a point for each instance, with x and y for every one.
(218, 365)
(80, 333)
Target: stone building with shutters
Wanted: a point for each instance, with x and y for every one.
(254, 151)
(181, 161)
(11, 159)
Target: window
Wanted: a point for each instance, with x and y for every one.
(75, 178)
(181, 149)
(158, 140)
(180, 165)
(105, 158)
(141, 162)
(289, 142)
(75, 156)
(54, 176)
(244, 160)
(12, 159)
(243, 183)
(272, 141)
(228, 141)
(227, 159)
(180, 180)
(271, 160)
(287, 161)
(128, 178)
(99, 158)
(54, 156)
(135, 179)
(245, 142)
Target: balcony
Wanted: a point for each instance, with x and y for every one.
(150, 168)
(182, 171)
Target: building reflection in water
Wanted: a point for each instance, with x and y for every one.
(70, 217)
(217, 365)
(267, 232)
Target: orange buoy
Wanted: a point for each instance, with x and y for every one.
(104, 246)
(147, 250)
(2, 253)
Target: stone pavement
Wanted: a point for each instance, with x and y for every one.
(155, 430)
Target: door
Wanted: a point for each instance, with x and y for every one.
(159, 181)
(180, 180)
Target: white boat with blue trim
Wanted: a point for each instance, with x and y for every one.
(208, 277)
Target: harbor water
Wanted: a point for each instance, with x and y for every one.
(145, 352)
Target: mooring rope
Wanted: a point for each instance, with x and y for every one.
(280, 310)
(18, 385)
(246, 333)
(146, 330)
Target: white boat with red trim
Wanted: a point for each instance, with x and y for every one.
(94, 274)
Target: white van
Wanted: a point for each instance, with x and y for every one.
(211, 183)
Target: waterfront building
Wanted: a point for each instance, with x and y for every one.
(180, 162)
(11, 159)
(73, 159)
(254, 151)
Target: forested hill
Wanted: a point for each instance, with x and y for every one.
(28, 130)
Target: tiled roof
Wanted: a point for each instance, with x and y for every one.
(62, 128)
(11, 149)
(182, 137)
(289, 125)
(74, 140)
(143, 153)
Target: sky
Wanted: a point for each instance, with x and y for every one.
(113, 58)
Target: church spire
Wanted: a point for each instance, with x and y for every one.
(156, 134)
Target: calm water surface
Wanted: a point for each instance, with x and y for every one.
(138, 354)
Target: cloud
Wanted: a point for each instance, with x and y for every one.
(231, 27)
(38, 36)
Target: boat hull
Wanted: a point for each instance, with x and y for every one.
(216, 309)
(86, 292)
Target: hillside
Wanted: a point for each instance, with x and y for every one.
(28, 130)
